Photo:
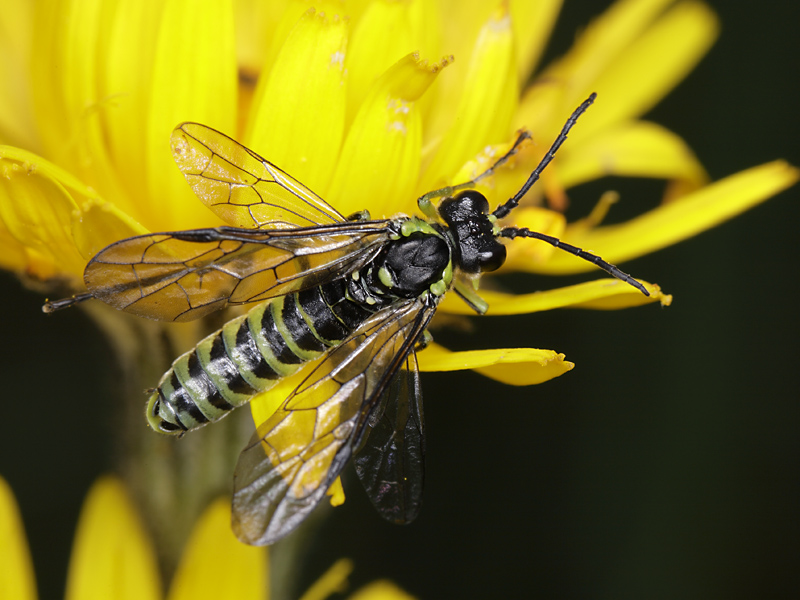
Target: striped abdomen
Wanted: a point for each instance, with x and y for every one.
(250, 354)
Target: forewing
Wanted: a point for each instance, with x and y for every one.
(390, 462)
(295, 456)
(185, 275)
(242, 188)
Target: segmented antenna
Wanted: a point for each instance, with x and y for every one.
(503, 210)
(512, 232)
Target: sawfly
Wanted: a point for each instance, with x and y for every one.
(356, 294)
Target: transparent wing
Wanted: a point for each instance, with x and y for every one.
(185, 275)
(390, 462)
(295, 456)
(242, 188)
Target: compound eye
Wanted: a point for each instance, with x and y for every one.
(493, 259)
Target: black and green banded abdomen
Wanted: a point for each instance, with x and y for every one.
(250, 354)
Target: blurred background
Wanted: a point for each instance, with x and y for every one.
(665, 465)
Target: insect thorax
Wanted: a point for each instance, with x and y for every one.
(418, 260)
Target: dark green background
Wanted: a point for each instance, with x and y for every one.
(664, 466)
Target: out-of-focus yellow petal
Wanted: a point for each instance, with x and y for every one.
(385, 33)
(12, 253)
(16, 110)
(653, 65)
(383, 589)
(514, 366)
(66, 89)
(216, 565)
(256, 23)
(566, 83)
(111, 555)
(298, 112)
(36, 207)
(533, 23)
(194, 79)
(601, 294)
(380, 160)
(484, 110)
(97, 223)
(16, 577)
(126, 54)
(675, 221)
(336, 492)
(630, 149)
(334, 580)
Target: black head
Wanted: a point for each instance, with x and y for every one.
(477, 249)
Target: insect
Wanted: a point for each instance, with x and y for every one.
(355, 293)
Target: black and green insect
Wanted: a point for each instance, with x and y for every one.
(355, 293)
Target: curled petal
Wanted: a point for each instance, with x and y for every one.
(514, 366)
(380, 160)
(385, 33)
(239, 571)
(16, 576)
(675, 221)
(111, 556)
(37, 200)
(298, 113)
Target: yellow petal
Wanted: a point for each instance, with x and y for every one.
(380, 160)
(97, 223)
(514, 366)
(653, 65)
(256, 23)
(111, 556)
(605, 294)
(298, 120)
(566, 83)
(194, 79)
(630, 149)
(332, 581)
(17, 126)
(71, 119)
(13, 254)
(675, 221)
(16, 577)
(484, 110)
(36, 208)
(385, 33)
(126, 56)
(381, 590)
(533, 23)
(216, 565)
(336, 492)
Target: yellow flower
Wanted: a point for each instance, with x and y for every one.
(364, 103)
(113, 557)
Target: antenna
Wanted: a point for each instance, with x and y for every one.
(503, 210)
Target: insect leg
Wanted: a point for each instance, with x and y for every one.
(425, 202)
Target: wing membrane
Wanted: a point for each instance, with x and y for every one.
(241, 187)
(185, 275)
(390, 463)
(295, 456)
